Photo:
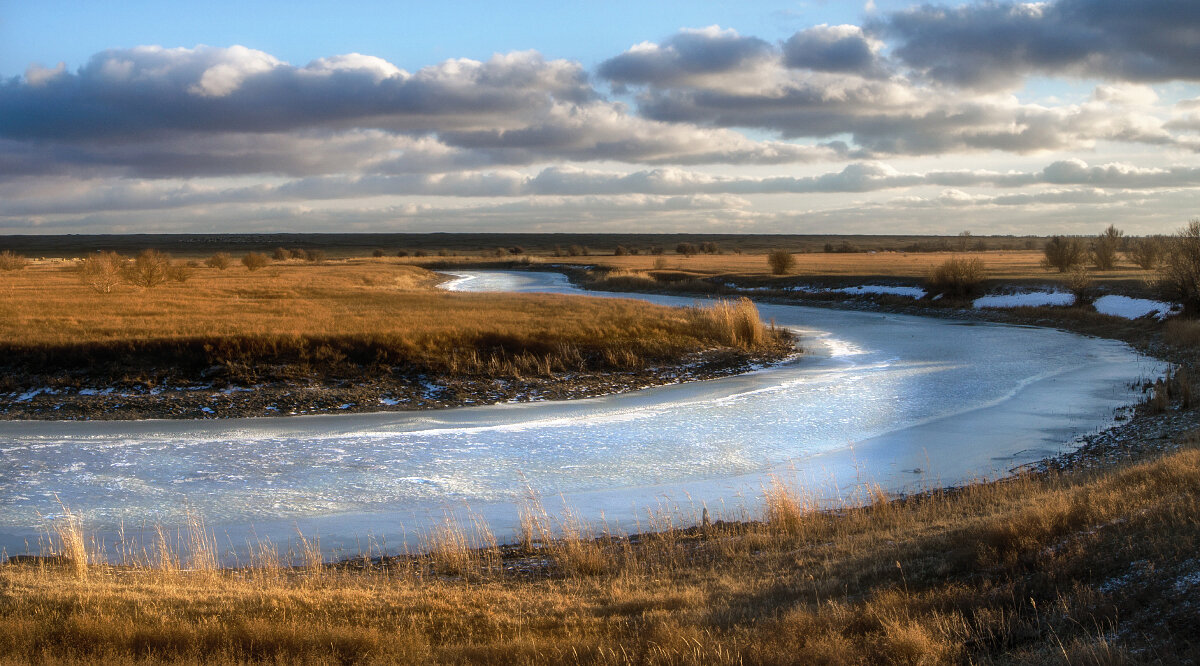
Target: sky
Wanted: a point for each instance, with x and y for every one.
(880, 117)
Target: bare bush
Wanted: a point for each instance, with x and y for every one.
(1104, 248)
(957, 277)
(255, 260)
(402, 253)
(621, 251)
(1145, 252)
(314, 256)
(179, 271)
(378, 254)
(219, 261)
(1079, 283)
(281, 254)
(1179, 275)
(1063, 253)
(686, 249)
(148, 269)
(101, 271)
(10, 261)
(781, 262)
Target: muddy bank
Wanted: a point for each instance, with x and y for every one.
(383, 392)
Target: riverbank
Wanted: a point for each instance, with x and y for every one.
(357, 336)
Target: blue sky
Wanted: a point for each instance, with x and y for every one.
(821, 117)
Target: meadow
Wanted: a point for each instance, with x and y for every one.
(296, 319)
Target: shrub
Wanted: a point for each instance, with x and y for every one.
(255, 260)
(957, 278)
(148, 269)
(657, 250)
(10, 261)
(517, 250)
(708, 247)
(314, 256)
(576, 250)
(281, 254)
(1145, 252)
(178, 271)
(1104, 248)
(420, 253)
(660, 263)
(621, 251)
(219, 261)
(781, 262)
(1179, 274)
(402, 253)
(378, 254)
(686, 249)
(1079, 282)
(101, 271)
(1062, 254)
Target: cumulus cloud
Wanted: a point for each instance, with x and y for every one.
(996, 44)
(837, 48)
(686, 55)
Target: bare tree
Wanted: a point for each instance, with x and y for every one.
(1104, 248)
(1145, 252)
(101, 271)
(148, 269)
(1063, 253)
(1179, 275)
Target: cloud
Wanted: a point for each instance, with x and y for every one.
(997, 44)
(686, 55)
(837, 48)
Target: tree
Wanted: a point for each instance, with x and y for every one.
(1104, 248)
(1179, 276)
(378, 254)
(255, 260)
(686, 249)
(101, 271)
(1063, 253)
(1145, 252)
(219, 261)
(148, 269)
(781, 262)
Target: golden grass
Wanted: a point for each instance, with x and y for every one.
(997, 264)
(1075, 568)
(299, 318)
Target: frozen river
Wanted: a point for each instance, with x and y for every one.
(895, 400)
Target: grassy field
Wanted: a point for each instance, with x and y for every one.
(1086, 567)
(296, 318)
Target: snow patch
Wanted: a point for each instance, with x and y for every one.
(1133, 308)
(1026, 299)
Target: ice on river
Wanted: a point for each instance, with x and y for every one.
(875, 397)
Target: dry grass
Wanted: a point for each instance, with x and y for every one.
(1085, 567)
(333, 319)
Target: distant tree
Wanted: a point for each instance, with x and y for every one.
(420, 253)
(781, 262)
(686, 249)
(1145, 252)
(709, 247)
(1062, 253)
(219, 261)
(964, 239)
(657, 250)
(1104, 248)
(10, 261)
(575, 250)
(402, 253)
(378, 254)
(255, 260)
(101, 271)
(148, 269)
(1179, 273)
(621, 251)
